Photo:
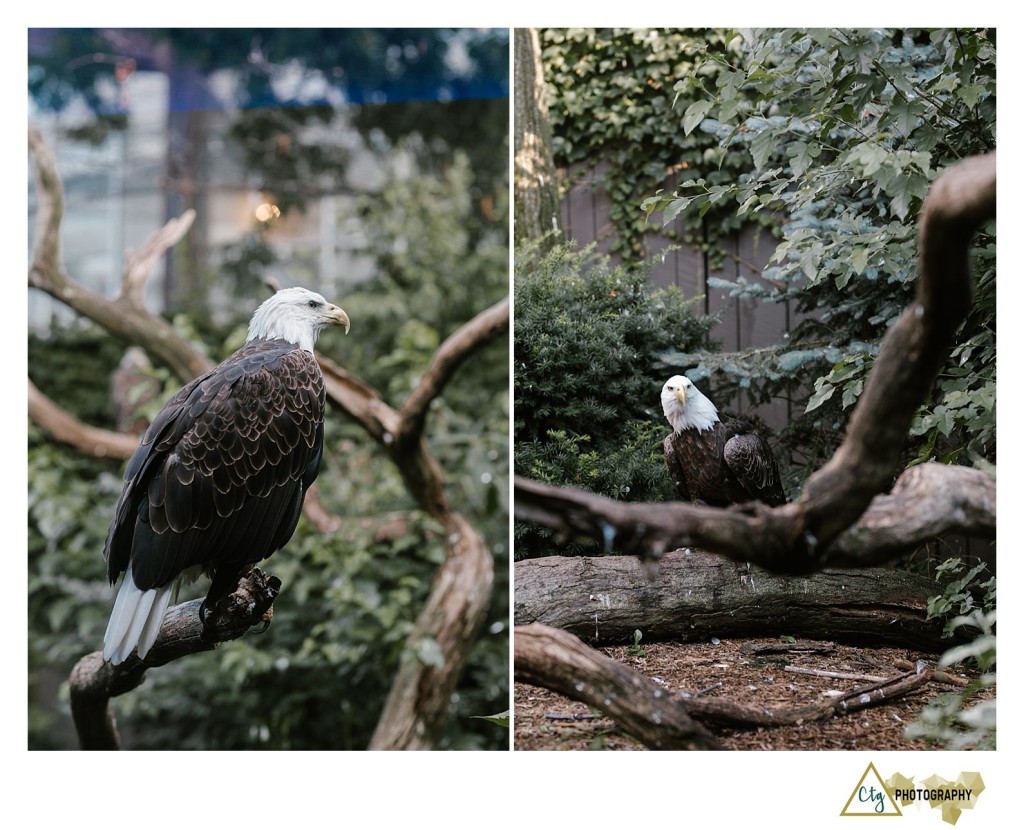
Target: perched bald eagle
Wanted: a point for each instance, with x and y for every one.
(712, 461)
(219, 478)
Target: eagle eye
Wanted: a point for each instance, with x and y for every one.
(312, 303)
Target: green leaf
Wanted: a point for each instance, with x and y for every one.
(819, 397)
(502, 719)
(802, 156)
(694, 115)
(761, 147)
(675, 207)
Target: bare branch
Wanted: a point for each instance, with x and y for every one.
(415, 711)
(62, 425)
(139, 264)
(360, 401)
(728, 713)
(559, 661)
(447, 359)
(46, 251)
(322, 519)
(121, 317)
(927, 501)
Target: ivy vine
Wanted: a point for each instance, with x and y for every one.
(624, 102)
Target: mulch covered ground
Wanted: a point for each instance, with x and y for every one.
(733, 670)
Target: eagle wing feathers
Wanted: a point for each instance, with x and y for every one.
(227, 461)
(752, 462)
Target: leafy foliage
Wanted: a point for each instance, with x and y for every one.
(963, 594)
(615, 95)
(951, 720)
(846, 130)
(587, 410)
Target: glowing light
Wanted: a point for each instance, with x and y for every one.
(267, 212)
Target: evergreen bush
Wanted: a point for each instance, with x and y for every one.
(587, 377)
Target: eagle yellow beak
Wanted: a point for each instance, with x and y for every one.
(337, 317)
(681, 395)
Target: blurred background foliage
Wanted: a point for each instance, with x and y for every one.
(433, 226)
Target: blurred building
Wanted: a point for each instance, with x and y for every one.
(169, 140)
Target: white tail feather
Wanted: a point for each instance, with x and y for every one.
(135, 619)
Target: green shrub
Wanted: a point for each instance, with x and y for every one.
(587, 382)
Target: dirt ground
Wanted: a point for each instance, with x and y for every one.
(729, 670)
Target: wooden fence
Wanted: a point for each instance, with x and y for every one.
(744, 324)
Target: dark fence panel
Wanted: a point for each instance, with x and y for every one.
(744, 324)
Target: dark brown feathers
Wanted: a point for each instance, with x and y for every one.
(220, 476)
(728, 463)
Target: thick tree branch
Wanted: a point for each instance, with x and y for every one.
(416, 708)
(559, 661)
(699, 595)
(94, 682)
(62, 425)
(483, 328)
(927, 501)
(801, 537)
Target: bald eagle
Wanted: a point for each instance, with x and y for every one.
(219, 478)
(712, 461)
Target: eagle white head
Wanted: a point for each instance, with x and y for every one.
(296, 315)
(685, 405)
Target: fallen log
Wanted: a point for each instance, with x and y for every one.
(559, 661)
(697, 595)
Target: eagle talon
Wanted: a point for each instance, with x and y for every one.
(206, 618)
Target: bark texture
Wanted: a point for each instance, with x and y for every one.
(694, 596)
(536, 189)
(94, 681)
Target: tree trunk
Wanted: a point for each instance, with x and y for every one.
(695, 596)
(536, 190)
